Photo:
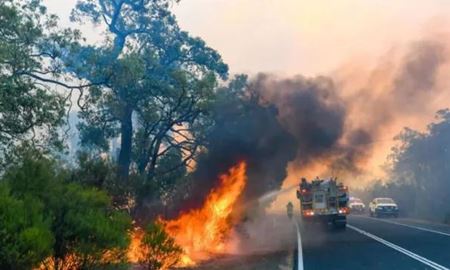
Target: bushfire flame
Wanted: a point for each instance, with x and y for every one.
(135, 252)
(203, 232)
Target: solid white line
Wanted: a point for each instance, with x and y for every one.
(400, 249)
(411, 226)
(299, 248)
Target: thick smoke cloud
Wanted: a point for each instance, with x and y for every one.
(246, 130)
(309, 109)
(274, 121)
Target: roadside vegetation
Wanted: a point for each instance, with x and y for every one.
(49, 221)
(149, 86)
(149, 83)
(418, 170)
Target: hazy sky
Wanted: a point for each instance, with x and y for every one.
(312, 37)
(298, 36)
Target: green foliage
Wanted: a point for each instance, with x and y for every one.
(157, 91)
(85, 231)
(160, 250)
(30, 48)
(84, 226)
(169, 176)
(25, 236)
(98, 172)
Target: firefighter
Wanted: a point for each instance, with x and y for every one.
(290, 210)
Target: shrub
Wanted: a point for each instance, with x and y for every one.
(25, 237)
(160, 250)
(87, 232)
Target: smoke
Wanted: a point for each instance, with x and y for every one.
(393, 90)
(243, 129)
(403, 89)
(309, 109)
(335, 125)
(269, 124)
(417, 73)
(345, 122)
(312, 111)
(253, 234)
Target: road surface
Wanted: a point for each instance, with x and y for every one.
(370, 243)
(367, 243)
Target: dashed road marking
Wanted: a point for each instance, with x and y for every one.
(410, 226)
(400, 249)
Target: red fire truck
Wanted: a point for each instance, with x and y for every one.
(323, 201)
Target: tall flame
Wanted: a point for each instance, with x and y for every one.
(202, 232)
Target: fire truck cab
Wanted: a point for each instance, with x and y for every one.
(323, 201)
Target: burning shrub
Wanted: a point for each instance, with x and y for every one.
(159, 249)
(206, 230)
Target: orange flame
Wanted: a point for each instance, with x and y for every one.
(202, 232)
(135, 252)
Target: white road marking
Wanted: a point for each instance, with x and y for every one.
(400, 249)
(299, 248)
(410, 226)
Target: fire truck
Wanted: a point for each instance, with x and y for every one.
(323, 201)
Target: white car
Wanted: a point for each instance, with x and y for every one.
(356, 205)
(383, 207)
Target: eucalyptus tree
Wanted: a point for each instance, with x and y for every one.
(158, 83)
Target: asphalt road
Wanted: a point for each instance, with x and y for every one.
(370, 243)
(367, 243)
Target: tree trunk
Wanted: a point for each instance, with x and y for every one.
(153, 158)
(126, 140)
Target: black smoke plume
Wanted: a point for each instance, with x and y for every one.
(313, 111)
(244, 129)
(270, 121)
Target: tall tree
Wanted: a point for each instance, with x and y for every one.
(159, 79)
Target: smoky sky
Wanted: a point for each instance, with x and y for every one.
(416, 77)
(277, 121)
(309, 119)
(408, 88)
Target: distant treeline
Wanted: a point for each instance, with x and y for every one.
(419, 172)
